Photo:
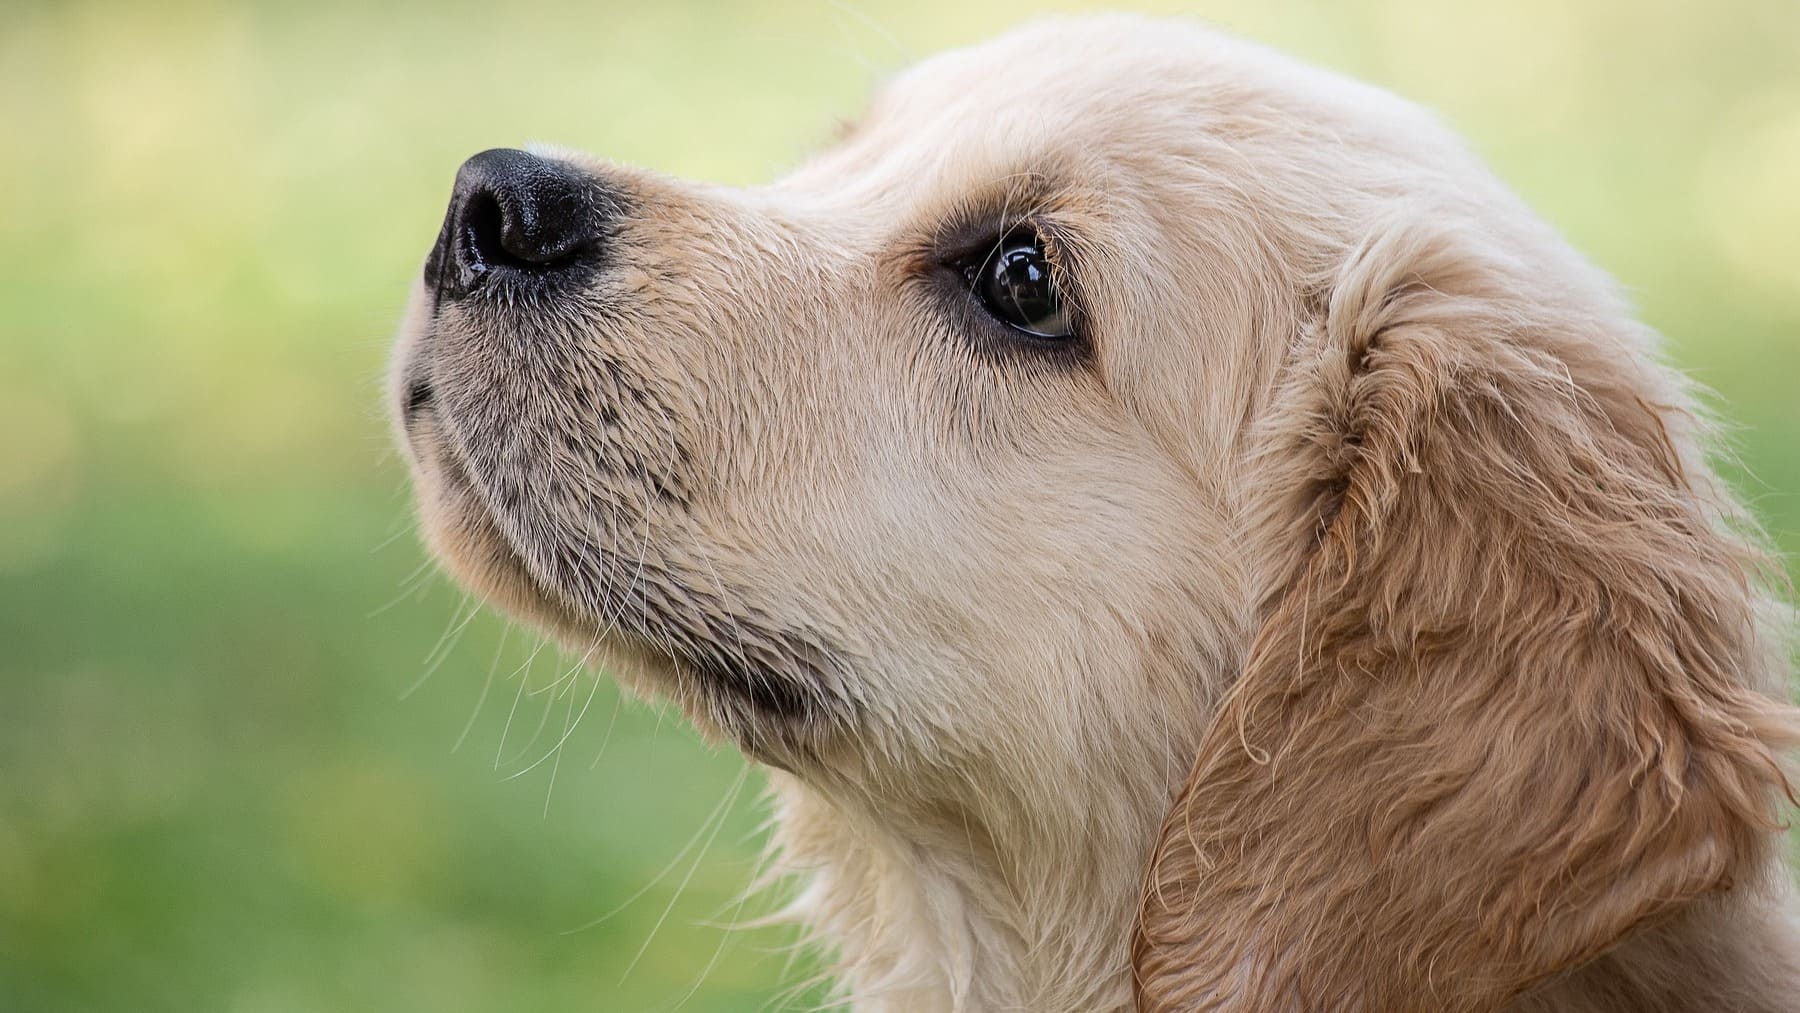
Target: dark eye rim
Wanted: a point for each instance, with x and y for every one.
(967, 262)
(977, 273)
(972, 329)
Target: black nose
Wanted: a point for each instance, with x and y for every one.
(512, 212)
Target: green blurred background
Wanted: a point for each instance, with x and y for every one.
(255, 755)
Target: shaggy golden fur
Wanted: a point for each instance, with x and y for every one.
(1348, 620)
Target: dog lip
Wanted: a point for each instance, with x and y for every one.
(775, 690)
(416, 397)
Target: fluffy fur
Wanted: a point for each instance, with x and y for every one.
(1350, 621)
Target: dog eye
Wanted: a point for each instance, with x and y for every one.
(1016, 286)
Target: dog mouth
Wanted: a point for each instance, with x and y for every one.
(558, 468)
(777, 691)
(461, 501)
(416, 398)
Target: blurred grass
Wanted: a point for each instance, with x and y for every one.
(215, 791)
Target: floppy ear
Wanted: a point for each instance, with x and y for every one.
(1500, 709)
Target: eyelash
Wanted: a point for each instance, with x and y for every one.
(966, 260)
(973, 330)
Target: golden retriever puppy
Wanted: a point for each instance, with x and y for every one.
(1177, 530)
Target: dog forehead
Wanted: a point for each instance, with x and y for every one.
(1002, 106)
(1067, 58)
(1094, 97)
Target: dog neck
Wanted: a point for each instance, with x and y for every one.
(1025, 903)
(939, 917)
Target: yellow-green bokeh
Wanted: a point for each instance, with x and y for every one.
(216, 792)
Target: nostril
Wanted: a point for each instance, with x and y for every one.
(516, 213)
(482, 233)
(512, 223)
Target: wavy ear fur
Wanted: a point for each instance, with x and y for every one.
(1504, 704)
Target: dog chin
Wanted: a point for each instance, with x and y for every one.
(772, 712)
(465, 538)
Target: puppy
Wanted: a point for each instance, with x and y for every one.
(1177, 530)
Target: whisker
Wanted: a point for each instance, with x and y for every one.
(446, 645)
(410, 585)
(536, 733)
(717, 814)
(568, 725)
(737, 784)
(611, 723)
(486, 684)
(526, 670)
(568, 729)
(404, 526)
(868, 21)
(726, 936)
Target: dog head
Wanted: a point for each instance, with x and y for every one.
(1121, 412)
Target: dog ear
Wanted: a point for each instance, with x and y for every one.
(1501, 707)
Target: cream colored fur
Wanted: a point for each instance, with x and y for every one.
(1360, 451)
